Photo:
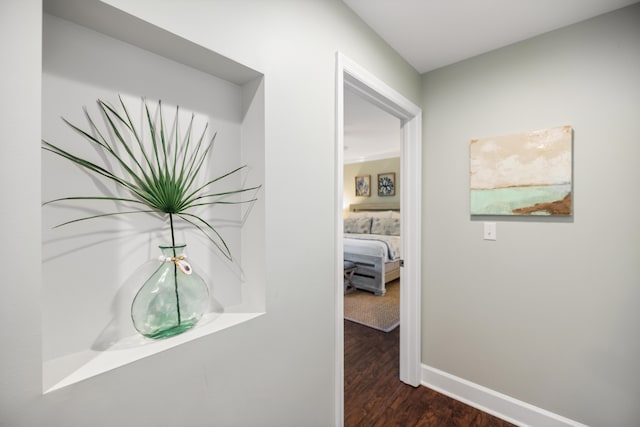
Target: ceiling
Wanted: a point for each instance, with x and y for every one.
(430, 34)
(369, 132)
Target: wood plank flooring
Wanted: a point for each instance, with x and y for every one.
(375, 397)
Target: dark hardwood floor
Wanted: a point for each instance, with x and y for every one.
(375, 397)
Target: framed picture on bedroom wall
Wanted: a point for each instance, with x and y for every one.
(363, 186)
(387, 184)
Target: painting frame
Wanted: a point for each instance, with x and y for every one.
(363, 186)
(522, 174)
(386, 184)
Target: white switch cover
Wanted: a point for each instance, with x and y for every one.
(489, 231)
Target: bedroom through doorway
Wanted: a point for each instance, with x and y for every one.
(372, 251)
(378, 189)
(371, 202)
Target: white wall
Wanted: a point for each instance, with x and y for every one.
(20, 357)
(75, 286)
(548, 313)
(276, 370)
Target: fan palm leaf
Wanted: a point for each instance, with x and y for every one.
(161, 176)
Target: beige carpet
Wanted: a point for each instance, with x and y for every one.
(382, 313)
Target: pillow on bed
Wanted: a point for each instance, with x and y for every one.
(386, 226)
(357, 225)
(357, 214)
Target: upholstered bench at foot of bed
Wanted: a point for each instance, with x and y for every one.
(349, 269)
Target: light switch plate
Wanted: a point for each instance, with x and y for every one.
(490, 231)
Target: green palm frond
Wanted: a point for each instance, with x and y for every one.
(161, 176)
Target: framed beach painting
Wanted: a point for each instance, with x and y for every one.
(363, 186)
(522, 174)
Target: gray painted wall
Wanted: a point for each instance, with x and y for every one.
(548, 313)
(276, 370)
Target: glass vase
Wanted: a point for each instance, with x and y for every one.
(173, 299)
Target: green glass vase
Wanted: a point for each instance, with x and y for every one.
(173, 299)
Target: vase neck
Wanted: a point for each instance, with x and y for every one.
(170, 251)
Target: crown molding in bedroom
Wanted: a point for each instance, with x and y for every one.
(369, 158)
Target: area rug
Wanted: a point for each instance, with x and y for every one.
(378, 312)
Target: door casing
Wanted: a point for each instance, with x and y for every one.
(350, 74)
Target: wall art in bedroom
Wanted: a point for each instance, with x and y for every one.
(387, 184)
(522, 174)
(363, 186)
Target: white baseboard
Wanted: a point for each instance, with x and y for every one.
(490, 401)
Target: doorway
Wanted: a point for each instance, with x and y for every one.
(357, 79)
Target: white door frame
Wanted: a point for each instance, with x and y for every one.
(350, 74)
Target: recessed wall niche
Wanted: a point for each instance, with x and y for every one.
(87, 328)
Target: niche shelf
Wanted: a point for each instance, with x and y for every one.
(135, 58)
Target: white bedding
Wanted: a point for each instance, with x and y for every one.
(378, 245)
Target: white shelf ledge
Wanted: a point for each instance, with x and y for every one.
(76, 367)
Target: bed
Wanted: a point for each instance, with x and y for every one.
(372, 242)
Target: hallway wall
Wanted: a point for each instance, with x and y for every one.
(548, 313)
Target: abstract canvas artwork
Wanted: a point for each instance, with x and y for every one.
(522, 174)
